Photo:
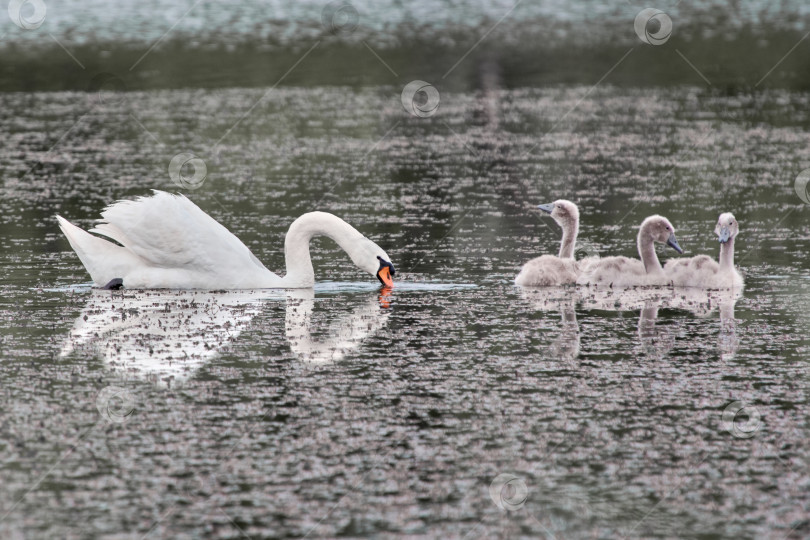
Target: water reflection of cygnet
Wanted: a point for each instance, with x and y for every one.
(344, 335)
(562, 299)
(656, 341)
(163, 336)
(702, 303)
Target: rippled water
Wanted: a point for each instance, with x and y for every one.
(347, 411)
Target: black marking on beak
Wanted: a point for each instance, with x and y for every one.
(547, 208)
(391, 270)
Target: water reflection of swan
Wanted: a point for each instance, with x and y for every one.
(344, 335)
(566, 345)
(165, 336)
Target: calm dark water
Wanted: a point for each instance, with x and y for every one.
(83, 44)
(347, 412)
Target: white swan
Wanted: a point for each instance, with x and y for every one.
(550, 270)
(167, 242)
(627, 272)
(704, 272)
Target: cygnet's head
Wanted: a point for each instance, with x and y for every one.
(564, 212)
(727, 227)
(658, 229)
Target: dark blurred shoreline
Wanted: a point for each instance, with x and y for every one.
(530, 54)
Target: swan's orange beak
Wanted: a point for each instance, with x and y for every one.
(386, 273)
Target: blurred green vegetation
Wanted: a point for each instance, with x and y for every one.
(528, 53)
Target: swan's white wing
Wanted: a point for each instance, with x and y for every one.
(170, 231)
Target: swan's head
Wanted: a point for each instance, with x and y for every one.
(564, 212)
(658, 229)
(727, 227)
(385, 271)
(373, 259)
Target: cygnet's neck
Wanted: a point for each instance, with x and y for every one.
(727, 255)
(646, 250)
(570, 229)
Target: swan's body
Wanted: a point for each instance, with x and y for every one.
(627, 272)
(169, 242)
(563, 269)
(705, 273)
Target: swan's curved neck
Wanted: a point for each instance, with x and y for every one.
(569, 238)
(727, 255)
(296, 244)
(646, 250)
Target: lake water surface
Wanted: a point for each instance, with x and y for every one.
(348, 411)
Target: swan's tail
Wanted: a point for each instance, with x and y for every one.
(102, 259)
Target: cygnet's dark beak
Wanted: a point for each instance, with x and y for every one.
(673, 243)
(547, 208)
(386, 272)
(724, 235)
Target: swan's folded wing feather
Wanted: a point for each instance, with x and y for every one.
(547, 271)
(170, 231)
(609, 270)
